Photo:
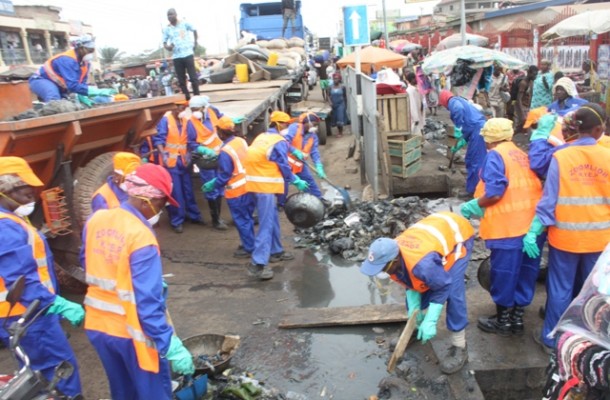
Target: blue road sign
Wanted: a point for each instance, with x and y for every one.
(356, 26)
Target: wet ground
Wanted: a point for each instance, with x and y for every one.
(211, 292)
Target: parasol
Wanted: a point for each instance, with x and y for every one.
(403, 46)
(443, 61)
(374, 56)
(456, 40)
(597, 21)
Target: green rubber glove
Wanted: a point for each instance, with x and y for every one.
(320, 170)
(546, 124)
(457, 132)
(471, 208)
(182, 360)
(144, 160)
(238, 120)
(84, 100)
(71, 311)
(300, 184)
(209, 186)
(427, 329)
(530, 246)
(298, 154)
(460, 143)
(413, 302)
(205, 151)
(93, 91)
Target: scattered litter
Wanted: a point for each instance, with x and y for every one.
(434, 130)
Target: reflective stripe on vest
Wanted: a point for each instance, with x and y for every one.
(205, 136)
(58, 79)
(512, 214)
(176, 143)
(262, 175)
(109, 196)
(297, 142)
(582, 211)
(237, 149)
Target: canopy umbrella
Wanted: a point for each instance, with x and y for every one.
(443, 61)
(403, 46)
(374, 57)
(597, 21)
(456, 40)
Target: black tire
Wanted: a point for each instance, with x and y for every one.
(88, 179)
(322, 133)
(329, 128)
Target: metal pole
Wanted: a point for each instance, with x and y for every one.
(385, 25)
(463, 21)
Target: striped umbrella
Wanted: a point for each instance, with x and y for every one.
(443, 61)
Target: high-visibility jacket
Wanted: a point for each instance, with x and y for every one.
(297, 142)
(205, 136)
(177, 140)
(110, 305)
(109, 196)
(39, 253)
(512, 215)
(54, 75)
(604, 141)
(582, 212)
(443, 233)
(151, 157)
(263, 175)
(237, 149)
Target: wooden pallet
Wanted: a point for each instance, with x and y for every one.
(394, 110)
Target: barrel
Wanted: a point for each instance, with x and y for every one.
(241, 70)
(273, 57)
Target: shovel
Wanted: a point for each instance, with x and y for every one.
(346, 199)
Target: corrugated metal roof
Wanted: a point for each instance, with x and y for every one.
(529, 7)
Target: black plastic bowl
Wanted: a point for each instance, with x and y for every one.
(304, 210)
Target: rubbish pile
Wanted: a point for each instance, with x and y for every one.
(434, 130)
(349, 233)
(50, 108)
(234, 385)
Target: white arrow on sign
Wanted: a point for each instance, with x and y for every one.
(355, 18)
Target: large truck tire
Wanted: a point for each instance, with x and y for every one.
(88, 179)
(322, 132)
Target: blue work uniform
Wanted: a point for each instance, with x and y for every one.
(99, 202)
(182, 189)
(570, 104)
(242, 207)
(567, 271)
(127, 380)
(207, 175)
(444, 286)
(513, 273)
(70, 70)
(45, 342)
(540, 155)
(466, 116)
(268, 237)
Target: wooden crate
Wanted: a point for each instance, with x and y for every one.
(394, 110)
(407, 170)
(400, 146)
(405, 155)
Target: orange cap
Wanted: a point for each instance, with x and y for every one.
(225, 123)
(279, 116)
(21, 168)
(181, 103)
(534, 116)
(125, 163)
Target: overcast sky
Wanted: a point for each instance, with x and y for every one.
(135, 25)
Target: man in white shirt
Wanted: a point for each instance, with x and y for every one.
(416, 104)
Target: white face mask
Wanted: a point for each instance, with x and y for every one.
(123, 187)
(313, 129)
(283, 132)
(198, 115)
(25, 209)
(154, 219)
(89, 57)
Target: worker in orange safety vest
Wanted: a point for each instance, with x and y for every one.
(125, 312)
(112, 193)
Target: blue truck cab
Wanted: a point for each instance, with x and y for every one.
(265, 20)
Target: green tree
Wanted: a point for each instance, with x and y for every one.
(199, 50)
(108, 55)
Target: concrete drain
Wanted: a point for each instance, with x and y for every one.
(511, 384)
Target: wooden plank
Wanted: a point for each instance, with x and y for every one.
(217, 87)
(403, 341)
(343, 316)
(402, 109)
(393, 115)
(386, 162)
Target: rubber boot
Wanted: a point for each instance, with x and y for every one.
(217, 223)
(498, 324)
(516, 320)
(455, 359)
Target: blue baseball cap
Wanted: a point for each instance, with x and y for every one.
(381, 252)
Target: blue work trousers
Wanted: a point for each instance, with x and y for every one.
(456, 313)
(513, 276)
(127, 380)
(45, 89)
(46, 345)
(566, 274)
(207, 175)
(267, 240)
(182, 191)
(242, 211)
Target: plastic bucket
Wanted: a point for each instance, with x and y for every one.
(241, 70)
(273, 57)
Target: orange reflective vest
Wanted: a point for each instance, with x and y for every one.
(556, 137)
(262, 175)
(297, 142)
(39, 254)
(237, 149)
(443, 233)
(604, 141)
(177, 140)
(110, 305)
(582, 212)
(512, 215)
(106, 192)
(58, 79)
(205, 136)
